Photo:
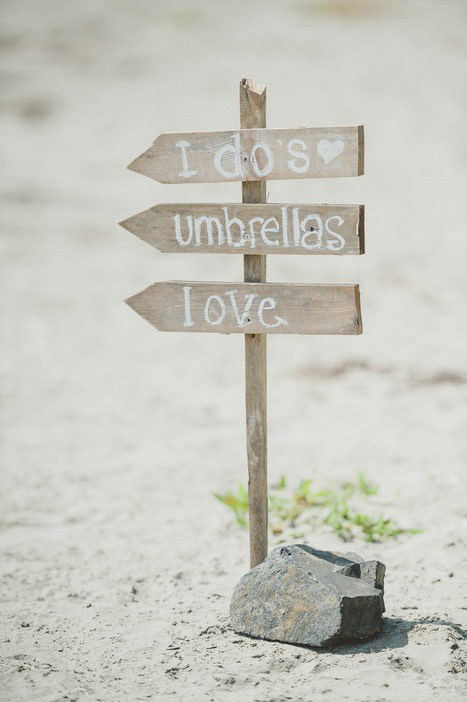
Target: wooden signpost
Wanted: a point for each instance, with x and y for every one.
(253, 228)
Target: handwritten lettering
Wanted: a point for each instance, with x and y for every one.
(186, 173)
(231, 162)
(309, 230)
(292, 164)
(215, 309)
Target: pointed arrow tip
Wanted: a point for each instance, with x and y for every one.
(134, 303)
(133, 166)
(136, 300)
(143, 228)
(141, 303)
(130, 301)
(124, 224)
(136, 227)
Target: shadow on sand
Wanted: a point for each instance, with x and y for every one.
(394, 634)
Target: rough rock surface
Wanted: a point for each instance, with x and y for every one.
(305, 596)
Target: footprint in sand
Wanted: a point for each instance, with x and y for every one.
(404, 663)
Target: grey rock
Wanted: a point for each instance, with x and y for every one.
(302, 595)
(371, 572)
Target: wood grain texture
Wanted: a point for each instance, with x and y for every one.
(335, 230)
(253, 115)
(305, 309)
(253, 154)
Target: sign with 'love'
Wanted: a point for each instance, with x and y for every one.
(253, 154)
(250, 308)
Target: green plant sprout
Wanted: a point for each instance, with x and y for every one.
(237, 503)
(330, 506)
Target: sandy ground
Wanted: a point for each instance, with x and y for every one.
(117, 562)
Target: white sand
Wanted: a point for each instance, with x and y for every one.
(117, 562)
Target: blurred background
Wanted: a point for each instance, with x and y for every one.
(115, 436)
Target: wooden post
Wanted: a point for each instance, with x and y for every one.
(253, 115)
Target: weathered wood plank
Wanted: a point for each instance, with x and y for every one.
(252, 228)
(253, 154)
(250, 308)
(253, 115)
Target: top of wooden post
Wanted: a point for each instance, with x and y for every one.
(252, 104)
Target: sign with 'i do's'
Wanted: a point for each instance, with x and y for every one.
(253, 154)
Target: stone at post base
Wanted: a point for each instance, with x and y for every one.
(301, 595)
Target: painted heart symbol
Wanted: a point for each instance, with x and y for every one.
(328, 150)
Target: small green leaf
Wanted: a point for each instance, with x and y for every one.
(365, 486)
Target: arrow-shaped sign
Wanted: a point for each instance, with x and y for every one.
(253, 154)
(256, 229)
(250, 308)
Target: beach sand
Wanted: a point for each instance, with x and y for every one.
(117, 563)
